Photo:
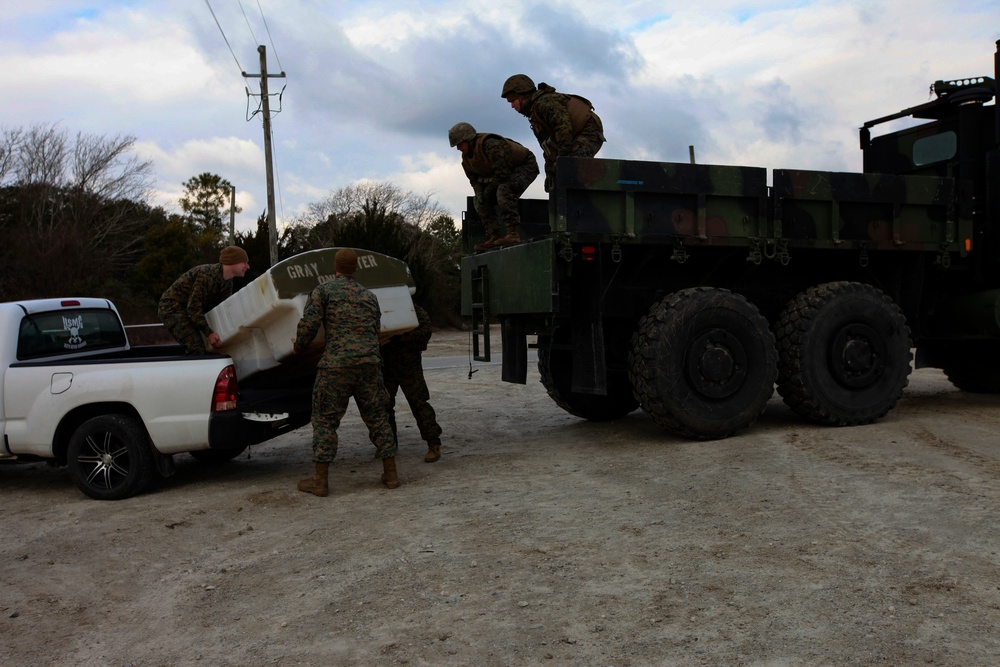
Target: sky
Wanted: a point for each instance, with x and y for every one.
(372, 87)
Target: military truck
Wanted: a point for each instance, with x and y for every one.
(693, 290)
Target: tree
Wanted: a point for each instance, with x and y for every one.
(73, 213)
(383, 218)
(205, 203)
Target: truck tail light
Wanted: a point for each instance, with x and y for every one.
(224, 396)
(589, 253)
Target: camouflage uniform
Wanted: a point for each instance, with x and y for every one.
(500, 170)
(564, 125)
(350, 365)
(183, 306)
(402, 368)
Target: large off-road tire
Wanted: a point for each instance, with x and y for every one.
(703, 363)
(843, 354)
(109, 457)
(216, 456)
(972, 366)
(555, 368)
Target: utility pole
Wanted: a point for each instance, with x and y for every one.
(272, 225)
(232, 214)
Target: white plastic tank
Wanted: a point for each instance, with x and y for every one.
(257, 323)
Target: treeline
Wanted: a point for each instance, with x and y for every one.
(75, 220)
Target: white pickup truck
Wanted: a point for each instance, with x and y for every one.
(76, 393)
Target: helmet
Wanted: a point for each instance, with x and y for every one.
(460, 132)
(519, 83)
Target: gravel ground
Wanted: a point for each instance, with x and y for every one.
(538, 539)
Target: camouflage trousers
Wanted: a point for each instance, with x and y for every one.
(497, 208)
(332, 391)
(184, 332)
(408, 375)
(585, 144)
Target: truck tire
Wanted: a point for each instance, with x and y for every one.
(216, 456)
(555, 369)
(972, 366)
(109, 457)
(703, 363)
(843, 354)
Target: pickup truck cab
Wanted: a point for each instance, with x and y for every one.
(75, 393)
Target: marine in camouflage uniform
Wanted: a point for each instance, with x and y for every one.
(183, 305)
(564, 124)
(499, 170)
(351, 365)
(402, 369)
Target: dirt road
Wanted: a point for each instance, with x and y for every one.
(538, 539)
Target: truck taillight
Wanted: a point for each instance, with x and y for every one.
(589, 253)
(224, 396)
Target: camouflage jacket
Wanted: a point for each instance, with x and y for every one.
(491, 158)
(410, 344)
(196, 292)
(351, 318)
(558, 117)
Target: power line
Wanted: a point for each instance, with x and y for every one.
(209, 4)
(268, 30)
(240, 3)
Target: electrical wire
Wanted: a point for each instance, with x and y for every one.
(268, 30)
(226, 39)
(248, 22)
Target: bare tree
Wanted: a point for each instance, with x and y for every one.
(76, 207)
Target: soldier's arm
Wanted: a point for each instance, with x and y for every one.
(312, 317)
(557, 117)
(196, 305)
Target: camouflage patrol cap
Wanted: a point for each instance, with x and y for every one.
(460, 132)
(517, 84)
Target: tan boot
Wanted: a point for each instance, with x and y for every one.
(513, 238)
(389, 477)
(318, 484)
(433, 451)
(488, 243)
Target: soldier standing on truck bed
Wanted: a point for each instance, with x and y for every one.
(500, 170)
(564, 124)
(402, 369)
(183, 306)
(351, 365)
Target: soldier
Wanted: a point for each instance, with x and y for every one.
(564, 124)
(350, 366)
(183, 306)
(500, 170)
(402, 369)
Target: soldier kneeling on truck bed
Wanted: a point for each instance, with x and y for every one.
(500, 170)
(564, 124)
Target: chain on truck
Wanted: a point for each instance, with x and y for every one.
(693, 290)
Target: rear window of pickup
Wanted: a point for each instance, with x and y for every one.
(68, 332)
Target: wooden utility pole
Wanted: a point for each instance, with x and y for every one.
(232, 214)
(272, 225)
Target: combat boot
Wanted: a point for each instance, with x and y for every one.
(389, 477)
(433, 450)
(318, 484)
(488, 243)
(513, 238)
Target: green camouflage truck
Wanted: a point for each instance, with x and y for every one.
(693, 290)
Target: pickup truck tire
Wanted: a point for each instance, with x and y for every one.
(555, 370)
(844, 354)
(109, 457)
(216, 456)
(703, 363)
